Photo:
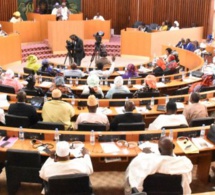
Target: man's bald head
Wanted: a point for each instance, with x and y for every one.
(129, 106)
(21, 96)
(166, 146)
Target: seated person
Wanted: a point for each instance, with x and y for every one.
(74, 71)
(59, 83)
(30, 86)
(63, 11)
(61, 164)
(55, 9)
(92, 87)
(103, 73)
(127, 117)
(175, 26)
(103, 58)
(171, 63)
(147, 163)
(48, 68)
(16, 17)
(130, 72)
(195, 110)
(148, 86)
(209, 39)
(144, 28)
(181, 43)
(160, 67)
(58, 111)
(2, 33)
(118, 87)
(163, 27)
(20, 108)
(32, 63)
(8, 79)
(189, 45)
(171, 118)
(92, 116)
(201, 50)
(98, 17)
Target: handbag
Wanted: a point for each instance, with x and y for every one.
(211, 133)
(37, 102)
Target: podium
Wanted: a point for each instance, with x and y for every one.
(10, 49)
(134, 42)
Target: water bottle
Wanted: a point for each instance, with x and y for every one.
(126, 100)
(163, 133)
(73, 101)
(202, 133)
(163, 79)
(56, 135)
(87, 69)
(45, 98)
(152, 101)
(76, 81)
(183, 75)
(190, 75)
(129, 81)
(21, 133)
(167, 99)
(40, 78)
(101, 81)
(106, 81)
(70, 80)
(92, 137)
(171, 135)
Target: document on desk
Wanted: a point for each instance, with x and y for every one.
(8, 143)
(187, 146)
(201, 143)
(104, 110)
(81, 86)
(3, 101)
(152, 146)
(109, 147)
(179, 105)
(120, 110)
(138, 86)
(121, 72)
(160, 84)
(141, 109)
(45, 84)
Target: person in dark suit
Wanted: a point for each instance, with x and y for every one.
(189, 46)
(144, 28)
(181, 43)
(22, 109)
(78, 53)
(127, 117)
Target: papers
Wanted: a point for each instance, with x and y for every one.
(3, 101)
(160, 84)
(180, 105)
(190, 79)
(120, 110)
(187, 146)
(8, 143)
(201, 143)
(141, 109)
(138, 86)
(143, 69)
(81, 86)
(152, 146)
(121, 72)
(45, 84)
(103, 110)
(109, 147)
(207, 103)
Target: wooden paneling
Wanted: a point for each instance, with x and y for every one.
(7, 7)
(123, 13)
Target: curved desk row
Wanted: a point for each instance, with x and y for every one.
(98, 154)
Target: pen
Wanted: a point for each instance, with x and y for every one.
(187, 147)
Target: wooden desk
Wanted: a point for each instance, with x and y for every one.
(147, 44)
(10, 49)
(202, 159)
(29, 30)
(76, 16)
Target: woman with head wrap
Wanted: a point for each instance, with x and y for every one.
(47, 68)
(92, 87)
(175, 26)
(16, 17)
(149, 85)
(171, 63)
(8, 79)
(32, 63)
(30, 89)
(117, 87)
(59, 83)
(131, 72)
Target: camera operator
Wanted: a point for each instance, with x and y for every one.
(78, 49)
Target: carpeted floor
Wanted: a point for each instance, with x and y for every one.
(104, 183)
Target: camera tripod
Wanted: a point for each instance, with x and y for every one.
(96, 52)
(70, 55)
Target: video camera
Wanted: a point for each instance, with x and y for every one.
(98, 37)
(69, 45)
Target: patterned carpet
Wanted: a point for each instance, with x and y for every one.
(104, 183)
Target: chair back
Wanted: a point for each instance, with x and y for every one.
(182, 91)
(165, 184)
(203, 89)
(31, 92)
(48, 125)
(174, 127)
(200, 121)
(17, 121)
(91, 126)
(43, 73)
(7, 89)
(116, 103)
(28, 70)
(149, 94)
(75, 184)
(85, 96)
(122, 95)
(131, 126)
